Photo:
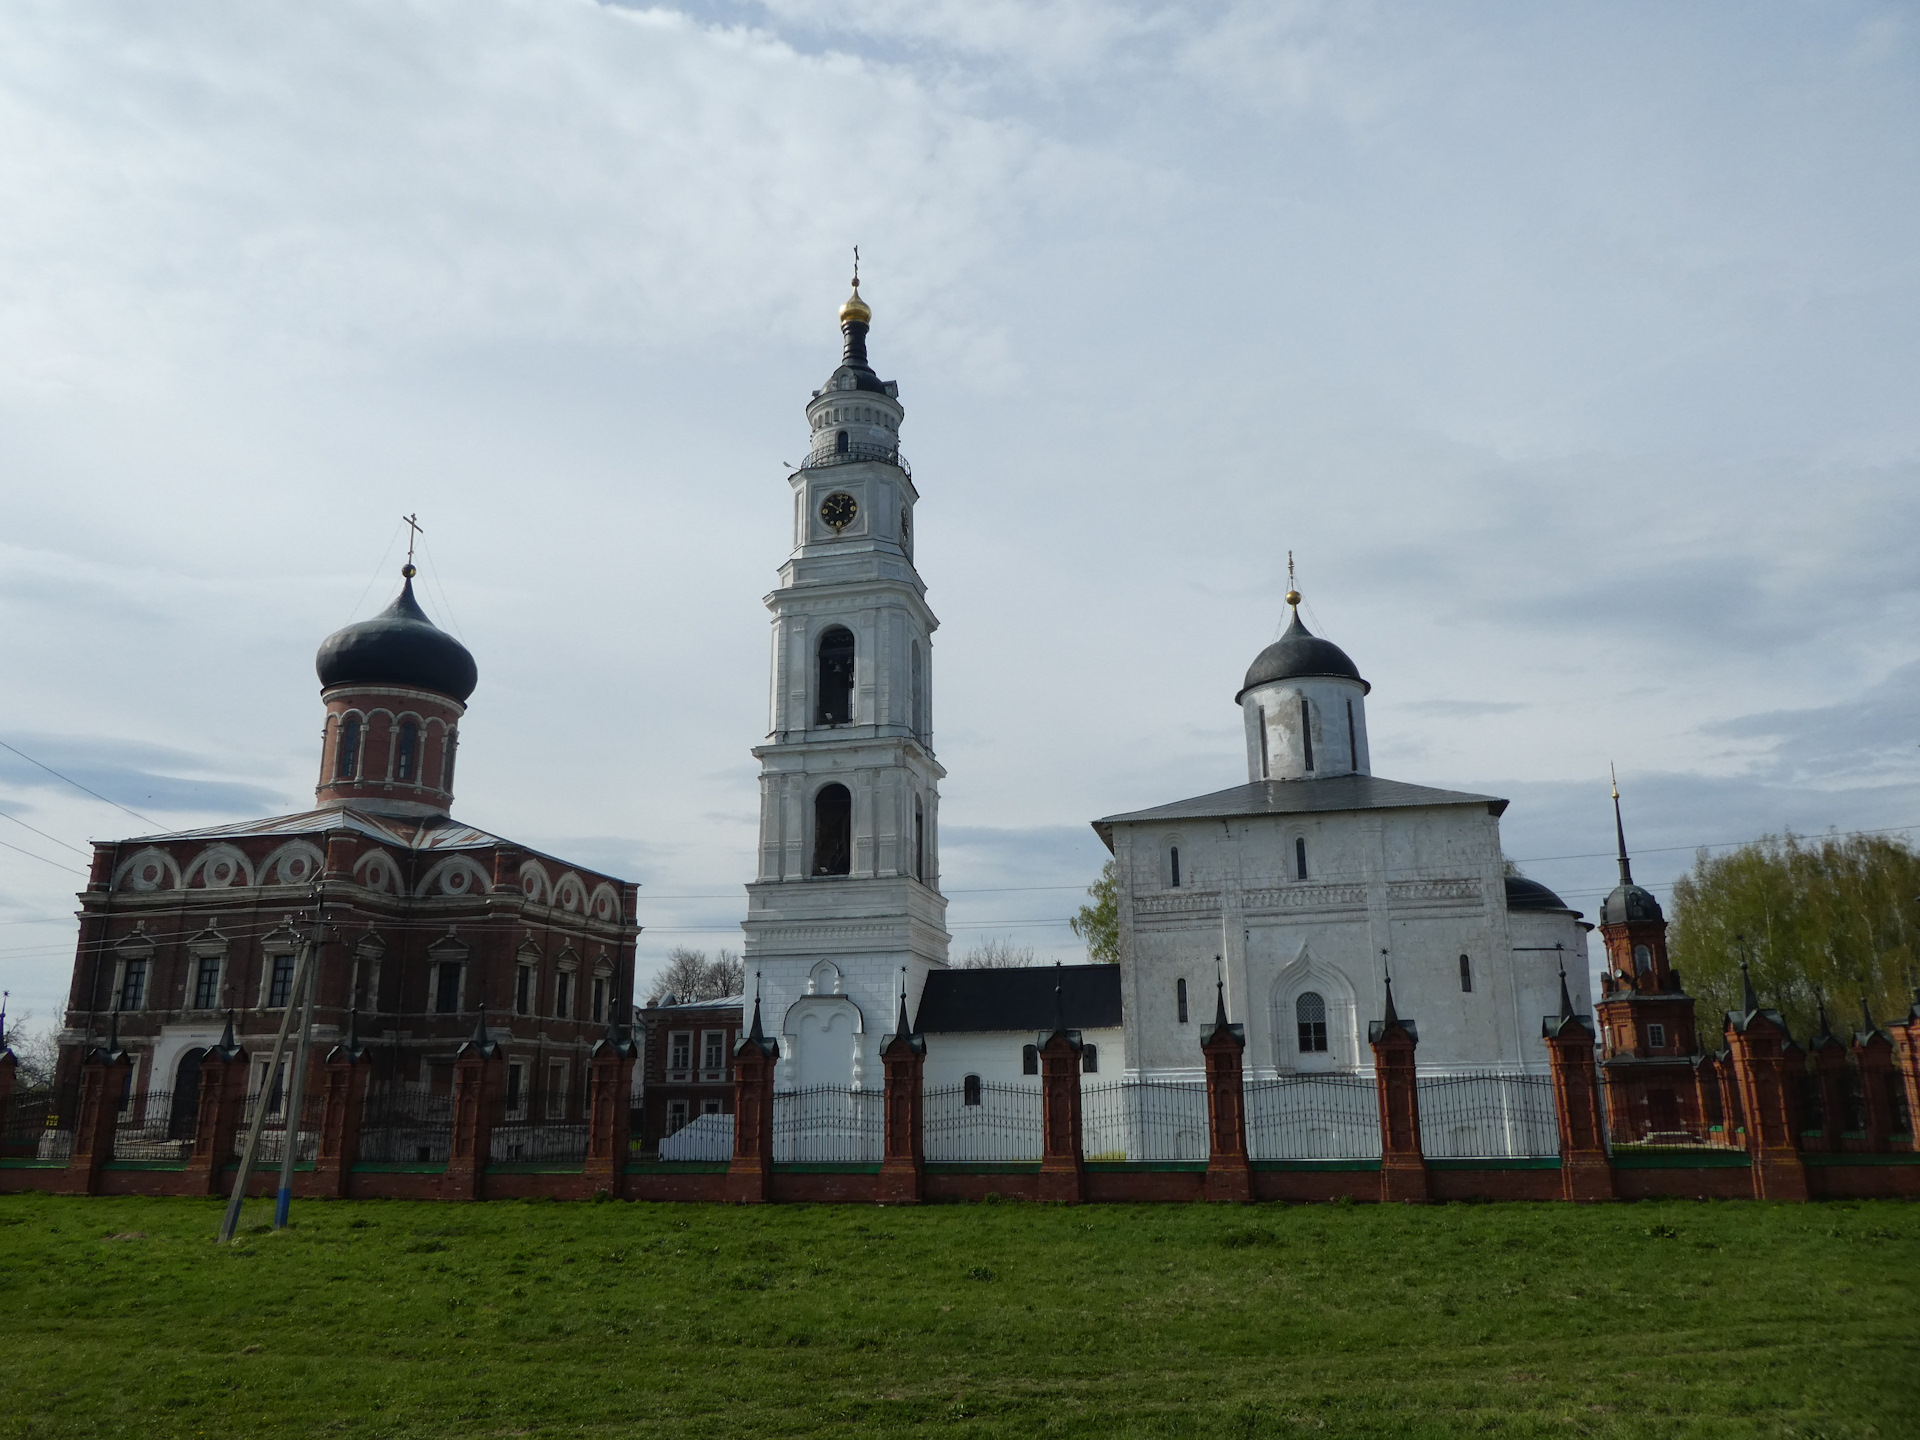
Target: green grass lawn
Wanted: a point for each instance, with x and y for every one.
(385, 1318)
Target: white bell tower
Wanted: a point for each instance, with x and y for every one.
(848, 892)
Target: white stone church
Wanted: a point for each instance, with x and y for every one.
(1300, 891)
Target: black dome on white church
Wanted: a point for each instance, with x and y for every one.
(399, 646)
(1300, 654)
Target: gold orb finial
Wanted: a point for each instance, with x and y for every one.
(854, 307)
(1293, 597)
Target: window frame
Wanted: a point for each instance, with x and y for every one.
(1311, 1036)
(276, 997)
(442, 969)
(1029, 1059)
(201, 999)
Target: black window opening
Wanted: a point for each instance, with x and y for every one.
(516, 1086)
(970, 1089)
(1642, 960)
(919, 842)
(1300, 858)
(206, 983)
(1353, 741)
(599, 998)
(1657, 1037)
(1306, 731)
(1180, 999)
(1029, 1059)
(280, 988)
(1466, 975)
(832, 831)
(133, 985)
(834, 693)
(523, 991)
(1310, 1021)
(446, 987)
(1265, 768)
(1090, 1059)
(446, 765)
(346, 755)
(183, 1115)
(563, 997)
(840, 442)
(1173, 865)
(916, 717)
(407, 759)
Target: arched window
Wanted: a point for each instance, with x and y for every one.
(1466, 974)
(840, 443)
(919, 841)
(446, 765)
(407, 759)
(1090, 1059)
(916, 719)
(1180, 998)
(1300, 858)
(834, 691)
(1306, 731)
(1173, 865)
(1029, 1060)
(970, 1090)
(346, 755)
(1310, 1016)
(832, 831)
(1642, 960)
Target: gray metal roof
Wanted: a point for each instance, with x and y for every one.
(1300, 797)
(970, 1001)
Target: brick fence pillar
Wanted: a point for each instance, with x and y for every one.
(1403, 1167)
(1229, 1176)
(9, 1068)
(349, 1065)
(224, 1072)
(1827, 1055)
(479, 1071)
(104, 1077)
(1873, 1054)
(609, 1116)
(1766, 1064)
(1733, 1121)
(1586, 1172)
(1062, 1166)
(903, 1161)
(750, 1176)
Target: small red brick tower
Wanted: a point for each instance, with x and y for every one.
(1647, 1034)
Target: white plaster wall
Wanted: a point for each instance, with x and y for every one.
(1335, 752)
(994, 1056)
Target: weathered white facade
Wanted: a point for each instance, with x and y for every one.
(1305, 887)
(846, 906)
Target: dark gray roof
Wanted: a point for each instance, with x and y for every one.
(1299, 654)
(1301, 797)
(1628, 903)
(958, 1001)
(1525, 894)
(399, 646)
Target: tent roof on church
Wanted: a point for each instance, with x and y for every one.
(970, 1001)
(1300, 797)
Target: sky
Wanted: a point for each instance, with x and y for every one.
(1570, 350)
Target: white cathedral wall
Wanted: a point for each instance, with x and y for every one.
(995, 1055)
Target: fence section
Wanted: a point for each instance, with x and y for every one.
(1487, 1117)
(1313, 1117)
(406, 1124)
(39, 1125)
(1144, 1120)
(705, 1137)
(826, 1123)
(551, 1142)
(979, 1120)
(158, 1125)
(273, 1135)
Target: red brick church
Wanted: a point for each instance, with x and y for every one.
(423, 924)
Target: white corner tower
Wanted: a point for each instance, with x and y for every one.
(847, 902)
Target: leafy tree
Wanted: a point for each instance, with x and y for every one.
(690, 975)
(1837, 915)
(1099, 923)
(997, 953)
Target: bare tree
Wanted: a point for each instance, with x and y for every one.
(690, 975)
(35, 1050)
(996, 952)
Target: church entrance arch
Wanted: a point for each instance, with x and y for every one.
(1312, 1018)
(183, 1112)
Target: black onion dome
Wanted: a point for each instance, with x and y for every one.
(1525, 894)
(399, 646)
(1300, 654)
(1628, 903)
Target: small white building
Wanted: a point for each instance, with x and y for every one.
(1304, 888)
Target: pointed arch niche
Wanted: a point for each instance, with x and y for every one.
(1307, 975)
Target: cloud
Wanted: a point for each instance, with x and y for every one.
(131, 773)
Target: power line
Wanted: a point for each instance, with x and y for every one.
(148, 819)
(42, 859)
(43, 834)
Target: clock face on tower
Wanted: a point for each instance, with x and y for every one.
(838, 510)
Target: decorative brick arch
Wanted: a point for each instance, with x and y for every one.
(298, 862)
(1309, 973)
(219, 867)
(149, 869)
(605, 904)
(570, 892)
(535, 883)
(456, 875)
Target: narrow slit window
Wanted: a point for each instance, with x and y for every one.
(407, 760)
(833, 831)
(1265, 767)
(1029, 1059)
(446, 766)
(523, 991)
(1310, 1023)
(1180, 998)
(446, 999)
(1306, 731)
(599, 998)
(1300, 858)
(1466, 975)
(1173, 865)
(1353, 741)
(970, 1090)
(1090, 1059)
(346, 755)
(919, 841)
(563, 997)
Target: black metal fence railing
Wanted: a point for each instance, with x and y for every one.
(157, 1125)
(39, 1124)
(273, 1135)
(550, 1142)
(980, 1120)
(1313, 1117)
(1144, 1120)
(829, 1124)
(406, 1124)
(1480, 1117)
(820, 459)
